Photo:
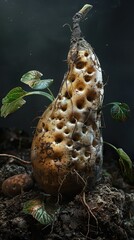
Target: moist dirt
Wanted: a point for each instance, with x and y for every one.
(105, 212)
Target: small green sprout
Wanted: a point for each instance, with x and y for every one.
(125, 163)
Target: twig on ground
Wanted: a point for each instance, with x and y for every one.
(21, 161)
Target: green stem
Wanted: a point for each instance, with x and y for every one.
(51, 93)
(50, 97)
(111, 145)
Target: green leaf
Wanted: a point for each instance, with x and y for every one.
(120, 111)
(125, 165)
(32, 79)
(125, 162)
(123, 155)
(13, 101)
(37, 209)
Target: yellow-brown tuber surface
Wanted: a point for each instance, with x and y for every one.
(67, 146)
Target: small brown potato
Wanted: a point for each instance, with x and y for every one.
(16, 184)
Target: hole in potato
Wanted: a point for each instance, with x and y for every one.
(87, 154)
(86, 54)
(80, 103)
(95, 142)
(87, 78)
(66, 131)
(60, 125)
(99, 85)
(76, 137)
(64, 107)
(74, 154)
(84, 129)
(58, 138)
(72, 78)
(68, 95)
(80, 64)
(69, 143)
(81, 88)
(91, 95)
(90, 69)
(46, 128)
(72, 120)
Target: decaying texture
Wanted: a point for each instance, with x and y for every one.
(67, 146)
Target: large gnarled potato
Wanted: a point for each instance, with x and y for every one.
(67, 146)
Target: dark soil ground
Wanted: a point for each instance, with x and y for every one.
(107, 214)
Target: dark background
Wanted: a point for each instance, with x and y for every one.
(32, 36)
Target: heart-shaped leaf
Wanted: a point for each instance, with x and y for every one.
(32, 79)
(43, 214)
(120, 111)
(13, 101)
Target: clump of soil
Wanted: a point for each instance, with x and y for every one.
(106, 212)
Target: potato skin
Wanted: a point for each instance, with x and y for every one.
(66, 151)
(14, 185)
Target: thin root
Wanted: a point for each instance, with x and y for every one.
(21, 161)
(68, 25)
(83, 199)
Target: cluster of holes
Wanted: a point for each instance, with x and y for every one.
(80, 64)
(99, 85)
(59, 117)
(58, 138)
